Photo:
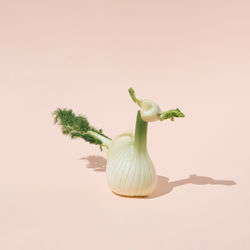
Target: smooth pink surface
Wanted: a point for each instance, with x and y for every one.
(84, 55)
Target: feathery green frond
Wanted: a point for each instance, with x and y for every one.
(78, 127)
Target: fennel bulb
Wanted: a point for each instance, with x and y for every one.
(130, 170)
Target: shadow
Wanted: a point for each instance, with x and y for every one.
(164, 186)
(96, 162)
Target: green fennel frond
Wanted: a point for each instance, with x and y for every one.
(77, 126)
(170, 114)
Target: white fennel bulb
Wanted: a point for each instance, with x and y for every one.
(130, 171)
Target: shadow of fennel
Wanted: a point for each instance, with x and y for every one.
(164, 186)
(96, 162)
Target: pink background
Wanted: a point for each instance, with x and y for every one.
(84, 55)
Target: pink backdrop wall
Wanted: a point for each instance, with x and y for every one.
(84, 55)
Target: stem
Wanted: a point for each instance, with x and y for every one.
(105, 141)
(141, 127)
(132, 95)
